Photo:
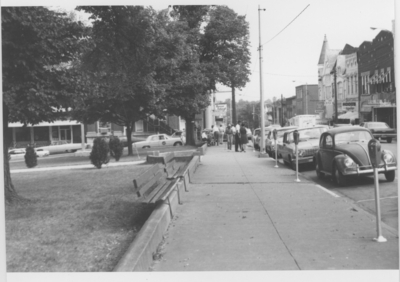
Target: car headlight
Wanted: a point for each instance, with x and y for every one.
(348, 162)
(387, 158)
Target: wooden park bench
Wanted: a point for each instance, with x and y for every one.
(176, 171)
(151, 186)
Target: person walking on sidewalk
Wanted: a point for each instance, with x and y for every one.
(243, 137)
(216, 134)
(221, 134)
(229, 136)
(238, 145)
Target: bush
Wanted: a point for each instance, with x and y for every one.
(116, 147)
(30, 157)
(99, 154)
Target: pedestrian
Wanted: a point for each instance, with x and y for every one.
(221, 134)
(216, 134)
(238, 145)
(243, 137)
(229, 136)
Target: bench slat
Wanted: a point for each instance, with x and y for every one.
(164, 193)
(145, 176)
(154, 195)
(153, 180)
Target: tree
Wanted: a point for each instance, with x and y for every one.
(129, 64)
(226, 42)
(39, 48)
(99, 154)
(193, 79)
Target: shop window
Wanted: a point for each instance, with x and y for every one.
(22, 134)
(139, 126)
(41, 134)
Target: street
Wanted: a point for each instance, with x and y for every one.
(361, 190)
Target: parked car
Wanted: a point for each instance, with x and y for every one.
(343, 152)
(380, 130)
(20, 153)
(159, 140)
(61, 146)
(307, 146)
(257, 135)
(270, 142)
(179, 134)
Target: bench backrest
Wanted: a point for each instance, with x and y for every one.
(148, 179)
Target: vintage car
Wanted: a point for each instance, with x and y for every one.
(380, 130)
(257, 134)
(307, 146)
(179, 134)
(343, 152)
(61, 146)
(20, 153)
(270, 141)
(159, 140)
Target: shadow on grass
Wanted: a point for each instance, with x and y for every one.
(74, 220)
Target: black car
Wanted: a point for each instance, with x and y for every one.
(380, 130)
(343, 152)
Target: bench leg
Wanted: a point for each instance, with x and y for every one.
(170, 209)
(179, 195)
(184, 183)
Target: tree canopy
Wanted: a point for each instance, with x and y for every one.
(39, 49)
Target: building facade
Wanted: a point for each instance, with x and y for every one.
(376, 79)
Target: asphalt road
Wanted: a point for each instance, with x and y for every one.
(362, 190)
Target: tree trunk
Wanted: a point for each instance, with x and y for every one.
(190, 134)
(233, 106)
(129, 127)
(10, 194)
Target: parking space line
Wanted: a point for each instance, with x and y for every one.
(394, 197)
(327, 191)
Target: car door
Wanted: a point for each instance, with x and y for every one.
(326, 153)
(154, 141)
(163, 140)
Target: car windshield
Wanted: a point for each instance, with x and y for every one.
(378, 125)
(353, 136)
(313, 133)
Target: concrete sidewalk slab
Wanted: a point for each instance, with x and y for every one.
(243, 214)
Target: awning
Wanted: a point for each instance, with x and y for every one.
(349, 115)
(46, 124)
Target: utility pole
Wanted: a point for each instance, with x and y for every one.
(336, 113)
(262, 145)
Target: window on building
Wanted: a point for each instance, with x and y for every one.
(22, 134)
(139, 126)
(41, 134)
(340, 90)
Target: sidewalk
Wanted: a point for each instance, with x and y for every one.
(243, 214)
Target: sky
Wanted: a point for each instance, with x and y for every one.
(291, 57)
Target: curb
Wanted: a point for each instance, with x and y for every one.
(139, 256)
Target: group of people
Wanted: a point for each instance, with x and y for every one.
(235, 135)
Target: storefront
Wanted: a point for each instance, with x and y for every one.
(44, 133)
(379, 107)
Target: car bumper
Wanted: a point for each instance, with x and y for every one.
(368, 170)
(306, 160)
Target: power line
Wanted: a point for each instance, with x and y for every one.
(287, 25)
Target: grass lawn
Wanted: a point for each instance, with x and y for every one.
(77, 220)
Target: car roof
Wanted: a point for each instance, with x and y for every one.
(337, 130)
(286, 128)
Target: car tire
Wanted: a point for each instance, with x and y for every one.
(390, 175)
(389, 140)
(177, 144)
(320, 174)
(338, 177)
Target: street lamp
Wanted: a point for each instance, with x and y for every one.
(306, 110)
